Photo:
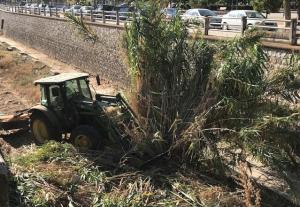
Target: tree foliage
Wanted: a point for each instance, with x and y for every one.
(268, 5)
(207, 102)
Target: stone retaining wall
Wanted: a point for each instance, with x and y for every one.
(58, 38)
(279, 57)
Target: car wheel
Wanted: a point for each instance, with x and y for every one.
(250, 26)
(42, 129)
(225, 26)
(85, 137)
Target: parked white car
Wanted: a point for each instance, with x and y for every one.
(74, 9)
(197, 15)
(86, 9)
(232, 20)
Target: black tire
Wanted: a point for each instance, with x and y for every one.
(85, 137)
(42, 129)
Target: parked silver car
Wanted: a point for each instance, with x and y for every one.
(232, 19)
(197, 16)
(74, 9)
(86, 9)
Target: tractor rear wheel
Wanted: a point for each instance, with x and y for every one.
(85, 137)
(42, 130)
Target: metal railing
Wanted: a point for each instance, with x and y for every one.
(274, 29)
(92, 15)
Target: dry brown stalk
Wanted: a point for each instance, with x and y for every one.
(252, 195)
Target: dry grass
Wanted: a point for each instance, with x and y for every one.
(20, 71)
(57, 175)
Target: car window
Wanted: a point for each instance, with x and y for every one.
(240, 14)
(232, 14)
(195, 13)
(254, 15)
(171, 11)
(77, 7)
(189, 12)
(206, 13)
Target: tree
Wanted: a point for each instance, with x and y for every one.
(287, 11)
(298, 8)
(268, 5)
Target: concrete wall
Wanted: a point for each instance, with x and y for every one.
(58, 38)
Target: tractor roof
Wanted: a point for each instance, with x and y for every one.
(56, 79)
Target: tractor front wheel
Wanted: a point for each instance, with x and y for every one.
(85, 137)
(42, 130)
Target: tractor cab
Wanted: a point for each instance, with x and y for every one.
(59, 90)
(67, 107)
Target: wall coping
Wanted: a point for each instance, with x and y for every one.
(264, 42)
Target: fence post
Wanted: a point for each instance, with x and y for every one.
(25, 10)
(81, 15)
(39, 10)
(118, 17)
(44, 8)
(92, 17)
(293, 32)
(244, 24)
(56, 12)
(29, 10)
(103, 16)
(206, 25)
(64, 10)
(50, 11)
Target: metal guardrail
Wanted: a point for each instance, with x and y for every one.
(284, 30)
(92, 15)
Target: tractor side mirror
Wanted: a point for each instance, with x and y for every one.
(98, 80)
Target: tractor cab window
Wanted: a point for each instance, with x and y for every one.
(78, 88)
(72, 88)
(55, 96)
(85, 90)
(44, 101)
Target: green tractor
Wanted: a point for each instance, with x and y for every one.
(68, 110)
